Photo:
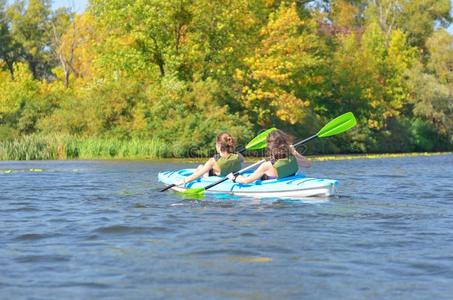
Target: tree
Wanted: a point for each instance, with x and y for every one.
(179, 71)
(61, 20)
(432, 89)
(281, 76)
(368, 73)
(30, 27)
(440, 60)
(142, 33)
(9, 50)
(345, 14)
(415, 17)
(78, 48)
(418, 18)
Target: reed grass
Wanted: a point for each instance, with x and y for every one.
(37, 147)
(56, 147)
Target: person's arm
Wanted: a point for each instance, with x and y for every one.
(301, 160)
(198, 173)
(257, 174)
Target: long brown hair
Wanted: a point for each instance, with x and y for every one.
(226, 142)
(278, 144)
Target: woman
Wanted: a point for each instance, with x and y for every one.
(283, 160)
(226, 160)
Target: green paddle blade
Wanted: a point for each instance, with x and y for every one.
(194, 192)
(338, 125)
(260, 141)
(192, 197)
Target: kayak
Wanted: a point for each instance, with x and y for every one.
(296, 186)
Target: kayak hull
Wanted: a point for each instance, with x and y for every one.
(297, 186)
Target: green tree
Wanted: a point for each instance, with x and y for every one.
(432, 88)
(145, 36)
(420, 17)
(30, 27)
(417, 18)
(8, 48)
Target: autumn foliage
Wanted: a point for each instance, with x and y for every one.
(180, 71)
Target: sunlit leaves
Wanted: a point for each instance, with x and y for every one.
(432, 90)
(30, 28)
(286, 59)
(181, 70)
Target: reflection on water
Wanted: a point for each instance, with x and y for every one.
(91, 229)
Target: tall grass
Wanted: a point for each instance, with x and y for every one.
(37, 147)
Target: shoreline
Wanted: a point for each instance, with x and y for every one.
(327, 157)
(375, 155)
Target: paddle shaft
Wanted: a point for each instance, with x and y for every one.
(235, 174)
(306, 140)
(168, 187)
(173, 185)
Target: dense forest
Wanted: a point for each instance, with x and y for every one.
(147, 78)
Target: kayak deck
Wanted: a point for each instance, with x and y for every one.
(290, 187)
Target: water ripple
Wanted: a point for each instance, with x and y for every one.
(234, 252)
(42, 258)
(34, 236)
(123, 229)
(102, 229)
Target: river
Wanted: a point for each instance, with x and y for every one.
(101, 229)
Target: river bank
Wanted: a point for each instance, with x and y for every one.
(331, 157)
(69, 148)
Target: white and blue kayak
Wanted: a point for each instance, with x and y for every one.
(297, 186)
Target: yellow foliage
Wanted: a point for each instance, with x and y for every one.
(286, 51)
(373, 124)
(17, 90)
(79, 44)
(139, 122)
(344, 13)
(290, 108)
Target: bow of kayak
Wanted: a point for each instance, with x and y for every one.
(290, 187)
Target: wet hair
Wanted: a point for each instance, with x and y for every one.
(226, 142)
(278, 144)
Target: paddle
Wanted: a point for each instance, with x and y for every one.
(259, 142)
(336, 126)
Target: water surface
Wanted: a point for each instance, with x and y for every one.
(101, 229)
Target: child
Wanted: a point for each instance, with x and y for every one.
(225, 162)
(283, 160)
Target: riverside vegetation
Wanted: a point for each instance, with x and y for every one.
(150, 79)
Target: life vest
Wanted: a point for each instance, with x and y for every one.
(228, 164)
(286, 167)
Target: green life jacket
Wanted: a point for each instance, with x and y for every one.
(229, 164)
(286, 167)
